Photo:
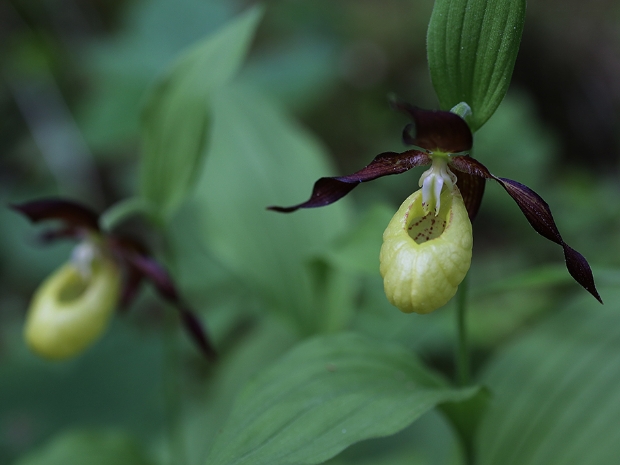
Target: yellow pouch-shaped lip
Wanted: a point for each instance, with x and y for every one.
(69, 312)
(424, 257)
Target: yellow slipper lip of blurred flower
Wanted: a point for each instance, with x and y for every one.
(69, 312)
(421, 276)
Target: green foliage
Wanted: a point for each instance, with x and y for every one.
(217, 151)
(472, 46)
(325, 395)
(175, 121)
(258, 157)
(556, 397)
(89, 448)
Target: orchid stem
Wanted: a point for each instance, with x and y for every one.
(463, 362)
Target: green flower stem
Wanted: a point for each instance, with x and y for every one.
(463, 363)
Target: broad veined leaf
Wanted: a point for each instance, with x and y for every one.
(556, 398)
(472, 47)
(175, 120)
(89, 447)
(324, 395)
(258, 157)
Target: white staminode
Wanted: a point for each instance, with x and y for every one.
(82, 257)
(433, 180)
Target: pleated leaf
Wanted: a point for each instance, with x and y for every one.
(326, 394)
(556, 396)
(472, 47)
(175, 120)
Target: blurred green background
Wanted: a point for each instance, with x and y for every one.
(74, 75)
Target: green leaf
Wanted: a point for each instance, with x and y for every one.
(89, 447)
(175, 122)
(324, 395)
(472, 47)
(556, 398)
(259, 157)
(358, 251)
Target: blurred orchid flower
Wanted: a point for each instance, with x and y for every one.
(427, 246)
(73, 307)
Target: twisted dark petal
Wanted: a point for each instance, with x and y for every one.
(538, 214)
(132, 281)
(472, 190)
(150, 269)
(435, 130)
(197, 332)
(327, 190)
(72, 213)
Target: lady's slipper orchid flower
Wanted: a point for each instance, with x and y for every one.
(427, 246)
(73, 307)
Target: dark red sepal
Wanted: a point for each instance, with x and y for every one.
(538, 214)
(435, 130)
(72, 213)
(154, 272)
(327, 190)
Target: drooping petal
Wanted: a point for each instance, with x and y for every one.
(435, 130)
(71, 213)
(154, 272)
(327, 190)
(472, 190)
(538, 214)
(131, 285)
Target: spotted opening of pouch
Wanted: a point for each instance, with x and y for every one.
(426, 228)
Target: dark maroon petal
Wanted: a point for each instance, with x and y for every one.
(469, 165)
(68, 211)
(435, 130)
(150, 269)
(154, 272)
(195, 329)
(538, 214)
(132, 281)
(472, 190)
(328, 190)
